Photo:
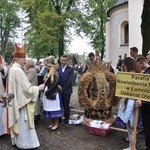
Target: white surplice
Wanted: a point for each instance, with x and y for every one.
(27, 138)
(25, 95)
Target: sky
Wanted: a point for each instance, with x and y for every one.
(80, 45)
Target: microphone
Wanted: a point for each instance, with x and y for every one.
(7, 99)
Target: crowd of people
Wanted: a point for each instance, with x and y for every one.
(137, 63)
(29, 84)
(52, 84)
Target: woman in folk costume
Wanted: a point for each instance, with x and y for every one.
(21, 113)
(52, 104)
(127, 105)
(3, 118)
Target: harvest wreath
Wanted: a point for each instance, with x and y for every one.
(97, 91)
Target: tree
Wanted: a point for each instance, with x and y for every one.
(50, 22)
(9, 52)
(8, 22)
(92, 22)
(36, 48)
(145, 27)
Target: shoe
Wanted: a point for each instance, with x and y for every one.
(140, 131)
(125, 139)
(53, 129)
(37, 117)
(141, 136)
(49, 127)
(127, 148)
(66, 121)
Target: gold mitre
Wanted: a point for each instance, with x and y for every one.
(19, 52)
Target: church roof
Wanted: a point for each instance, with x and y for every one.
(118, 3)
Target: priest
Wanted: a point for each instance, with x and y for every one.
(21, 114)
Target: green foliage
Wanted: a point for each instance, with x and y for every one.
(50, 21)
(9, 52)
(36, 48)
(8, 23)
(92, 22)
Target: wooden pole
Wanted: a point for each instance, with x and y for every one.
(135, 127)
(119, 129)
(77, 110)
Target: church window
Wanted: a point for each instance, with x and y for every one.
(124, 33)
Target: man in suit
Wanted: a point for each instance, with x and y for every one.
(66, 78)
(145, 106)
(91, 57)
(133, 52)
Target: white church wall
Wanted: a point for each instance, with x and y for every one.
(113, 49)
(135, 12)
(107, 42)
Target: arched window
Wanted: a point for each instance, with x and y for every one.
(124, 33)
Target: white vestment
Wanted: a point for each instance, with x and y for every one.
(3, 120)
(21, 119)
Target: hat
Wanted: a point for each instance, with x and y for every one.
(19, 52)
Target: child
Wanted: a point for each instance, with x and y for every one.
(127, 106)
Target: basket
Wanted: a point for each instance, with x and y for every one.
(98, 131)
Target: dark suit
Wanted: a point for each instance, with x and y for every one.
(145, 111)
(66, 79)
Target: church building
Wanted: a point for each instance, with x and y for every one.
(123, 30)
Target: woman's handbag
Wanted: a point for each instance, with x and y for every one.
(51, 95)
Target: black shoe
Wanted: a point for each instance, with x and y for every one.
(49, 127)
(141, 131)
(53, 129)
(124, 140)
(66, 121)
(37, 118)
